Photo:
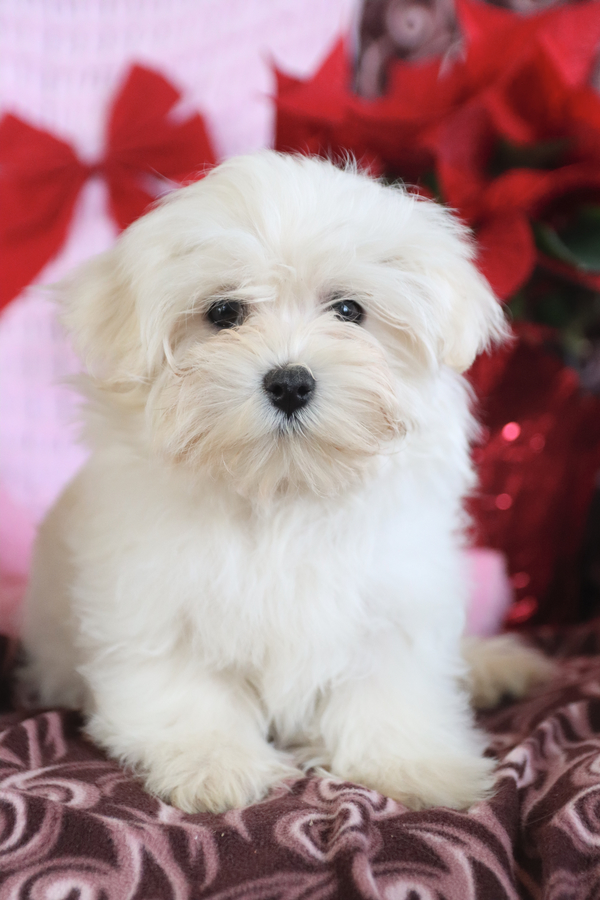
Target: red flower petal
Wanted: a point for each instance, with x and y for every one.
(517, 189)
(570, 36)
(506, 253)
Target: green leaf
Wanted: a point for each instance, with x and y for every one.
(548, 241)
(556, 310)
(582, 238)
(577, 245)
(431, 181)
(518, 306)
(541, 155)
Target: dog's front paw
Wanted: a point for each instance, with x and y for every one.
(217, 776)
(457, 782)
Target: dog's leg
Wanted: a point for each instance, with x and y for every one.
(48, 675)
(198, 739)
(406, 731)
(503, 666)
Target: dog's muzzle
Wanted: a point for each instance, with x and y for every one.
(289, 388)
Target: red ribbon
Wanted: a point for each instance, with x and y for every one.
(41, 176)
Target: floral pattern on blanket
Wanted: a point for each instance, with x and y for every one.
(75, 825)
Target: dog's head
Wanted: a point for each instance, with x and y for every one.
(279, 321)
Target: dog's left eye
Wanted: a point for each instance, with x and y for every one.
(348, 311)
(226, 313)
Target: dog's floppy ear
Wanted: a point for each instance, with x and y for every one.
(475, 319)
(99, 311)
(468, 318)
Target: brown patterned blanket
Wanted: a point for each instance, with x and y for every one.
(75, 826)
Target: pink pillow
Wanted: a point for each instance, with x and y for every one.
(491, 591)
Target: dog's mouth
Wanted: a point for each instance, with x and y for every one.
(294, 425)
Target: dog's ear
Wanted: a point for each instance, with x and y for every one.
(475, 319)
(99, 311)
(468, 317)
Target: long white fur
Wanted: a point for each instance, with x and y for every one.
(216, 577)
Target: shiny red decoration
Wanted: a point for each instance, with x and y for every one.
(147, 147)
(537, 461)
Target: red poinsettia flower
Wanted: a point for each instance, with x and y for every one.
(520, 146)
(505, 208)
(324, 116)
(510, 129)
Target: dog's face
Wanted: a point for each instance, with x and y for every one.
(279, 321)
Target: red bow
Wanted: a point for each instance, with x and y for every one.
(41, 176)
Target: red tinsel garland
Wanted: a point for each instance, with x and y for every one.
(537, 462)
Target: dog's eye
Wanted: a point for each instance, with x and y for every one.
(226, 313)
(348, 311)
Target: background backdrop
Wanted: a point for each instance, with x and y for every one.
(61, 62)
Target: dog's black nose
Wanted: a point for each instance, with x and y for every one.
(289, 387)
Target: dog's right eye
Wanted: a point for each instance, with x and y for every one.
(348, 311)
(226, 313)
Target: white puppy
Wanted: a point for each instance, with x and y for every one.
(260, 565)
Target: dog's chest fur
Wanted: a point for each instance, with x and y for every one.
(291, 594)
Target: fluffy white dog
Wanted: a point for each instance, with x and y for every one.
(259, 568)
